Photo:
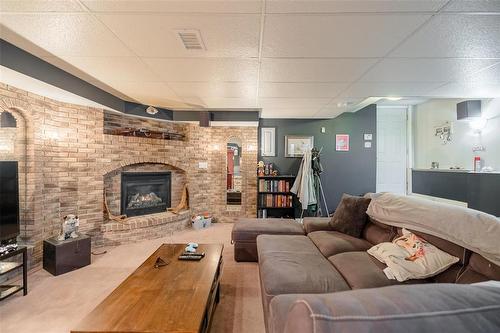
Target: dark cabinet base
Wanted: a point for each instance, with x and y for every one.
(60, 257)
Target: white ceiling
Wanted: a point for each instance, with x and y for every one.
(291, 58)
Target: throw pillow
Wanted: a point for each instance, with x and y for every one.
(350, 215)
(411, 257)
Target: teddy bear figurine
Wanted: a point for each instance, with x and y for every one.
(69, 227)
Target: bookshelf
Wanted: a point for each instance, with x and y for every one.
(274, 198)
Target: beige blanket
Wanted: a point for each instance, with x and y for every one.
(474, 230)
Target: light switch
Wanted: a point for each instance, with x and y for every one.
(368, 136)
(368, 144)
(203, 165)
(323, 130)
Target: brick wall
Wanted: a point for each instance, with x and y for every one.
(65, 156)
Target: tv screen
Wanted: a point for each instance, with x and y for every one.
(9, 200)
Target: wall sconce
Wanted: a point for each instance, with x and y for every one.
(478, 124)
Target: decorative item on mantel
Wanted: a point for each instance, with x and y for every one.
(147, 133)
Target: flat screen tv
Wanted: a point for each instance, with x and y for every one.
(9, 201)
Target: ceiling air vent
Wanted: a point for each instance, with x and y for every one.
(191, 39)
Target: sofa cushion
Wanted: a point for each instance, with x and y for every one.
(410, 309)
(479, 269)
(360, 270)
(333, 242)
(292, 264)
(316, 224)
(350, 216)
(286, 244)
(247, 229)
(376, 232)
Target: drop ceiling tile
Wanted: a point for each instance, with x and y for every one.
(330, 112)
(473, 6)
(298, 89)
(381, 89)
(204, 69)
(424, 70)
(39, 6)
(112, 68)
(336, 35)
(214, 89)
(489, 75)
(221, 102)
(467, 90)
(175, 6)
(144, 92)
(66, 34)
(154, 35)
(352, 6)
(272, 112)
(269, 102)
(313, 70)
(470, 36)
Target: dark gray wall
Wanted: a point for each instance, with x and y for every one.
(352, 172)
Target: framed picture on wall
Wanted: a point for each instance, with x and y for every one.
(342, 142)
(296, 145)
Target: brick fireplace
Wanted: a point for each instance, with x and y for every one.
(69, 160)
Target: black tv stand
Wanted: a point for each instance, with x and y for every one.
(5, 267)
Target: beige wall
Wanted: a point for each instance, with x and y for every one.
(67, 155)
(458, 152)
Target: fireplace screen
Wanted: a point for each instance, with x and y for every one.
(145, 193)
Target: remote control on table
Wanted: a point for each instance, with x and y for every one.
(193, 254)
(189, 257)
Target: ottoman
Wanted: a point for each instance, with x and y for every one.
(246, 230)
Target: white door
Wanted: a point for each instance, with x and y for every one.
(391, 149)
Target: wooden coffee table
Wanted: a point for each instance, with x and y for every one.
(178, 297)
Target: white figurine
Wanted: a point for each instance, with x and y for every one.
(69, 228)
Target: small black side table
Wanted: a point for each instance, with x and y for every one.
(5, 267)
(60, 257)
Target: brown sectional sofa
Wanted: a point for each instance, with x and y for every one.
(321, 261)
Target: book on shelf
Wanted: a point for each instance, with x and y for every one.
(266, 185)
(276, 200)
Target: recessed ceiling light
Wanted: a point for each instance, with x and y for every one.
(393, 98)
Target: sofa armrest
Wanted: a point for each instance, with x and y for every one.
(316, 224)
(394, 309)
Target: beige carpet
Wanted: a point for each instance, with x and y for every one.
(57, 304)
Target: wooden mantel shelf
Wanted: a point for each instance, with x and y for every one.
(147, 133)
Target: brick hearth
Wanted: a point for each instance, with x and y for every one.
(65, 153)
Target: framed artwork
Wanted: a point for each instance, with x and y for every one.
(268, 141)
(342, 142)
(296, 145)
